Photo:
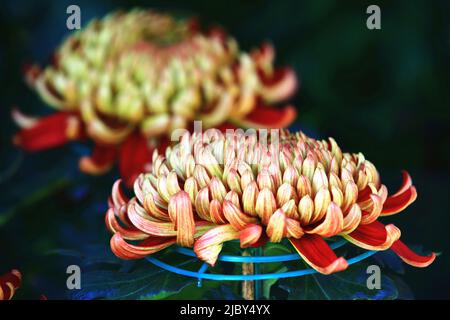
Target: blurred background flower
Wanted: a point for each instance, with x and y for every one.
(130, 79)
(382, 92)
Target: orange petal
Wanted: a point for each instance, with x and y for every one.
(127, 251)
(374, 236)
(411, 257)
(235, 216)
(318, 254)
(352, 219)
(332, 225)
(113, 226)
(276, 226)
(180, 211)
(141, 220)
(397, 203)
(372, 214)
(250, 235)
(208, 246)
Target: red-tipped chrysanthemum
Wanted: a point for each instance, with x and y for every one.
(128, 80)
(209, 189)
(9, 283)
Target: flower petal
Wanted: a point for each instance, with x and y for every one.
(352, 219)
(332, 224)
(374, 236)
(49, 132)
(411, 257)
(124, 250)
(181, 213)
(208, 246)
(134, 154)
(141, 220)
(395, 204)
(406, 183)
(9, 283)
(369, 216)
(280, 85)
(276, 227)
(267, 117)
(235, 216)
(22, 120)
(113, 226)
(100, 161)
(318, 254)
(250, 235)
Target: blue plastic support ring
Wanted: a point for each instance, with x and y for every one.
(257, 259)
(231, 277)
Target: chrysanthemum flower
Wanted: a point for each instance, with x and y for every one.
(9, 283)
(210, 189)
(128, 80)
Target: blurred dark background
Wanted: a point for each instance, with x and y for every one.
(382, 92)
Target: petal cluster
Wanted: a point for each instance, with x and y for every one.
(9, 283)
(211, 188)
(144, 74)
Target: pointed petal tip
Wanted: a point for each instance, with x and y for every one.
(410, 257)
(268, 117)
(318, 254)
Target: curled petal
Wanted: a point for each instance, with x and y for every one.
(9, 283)
(180, 211)
(267, 117)
(113, 226)
(134, 155)
(249, 197)
(124, 250)
(306, 209)
(153, 209)
(118, 198)
(406, 183)
(374, 212)
(276, 228)
(216, 212)
(22, 120)
(280, 85)
(250, 235)
(332, 224)
(236, 217)
(399, 202)
(352, 219)
(316, 252)
(321, 202)
(265, 205)
(100, 161)
(374, 236)
(49, 132)
(293, 228)
(208, 246)
(410, 257)
(202, 205)
(140, 220)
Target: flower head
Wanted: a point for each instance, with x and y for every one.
(133, 77)
(9, 283)
(209, 189)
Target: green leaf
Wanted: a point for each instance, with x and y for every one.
(347, 285)
(144, 282)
